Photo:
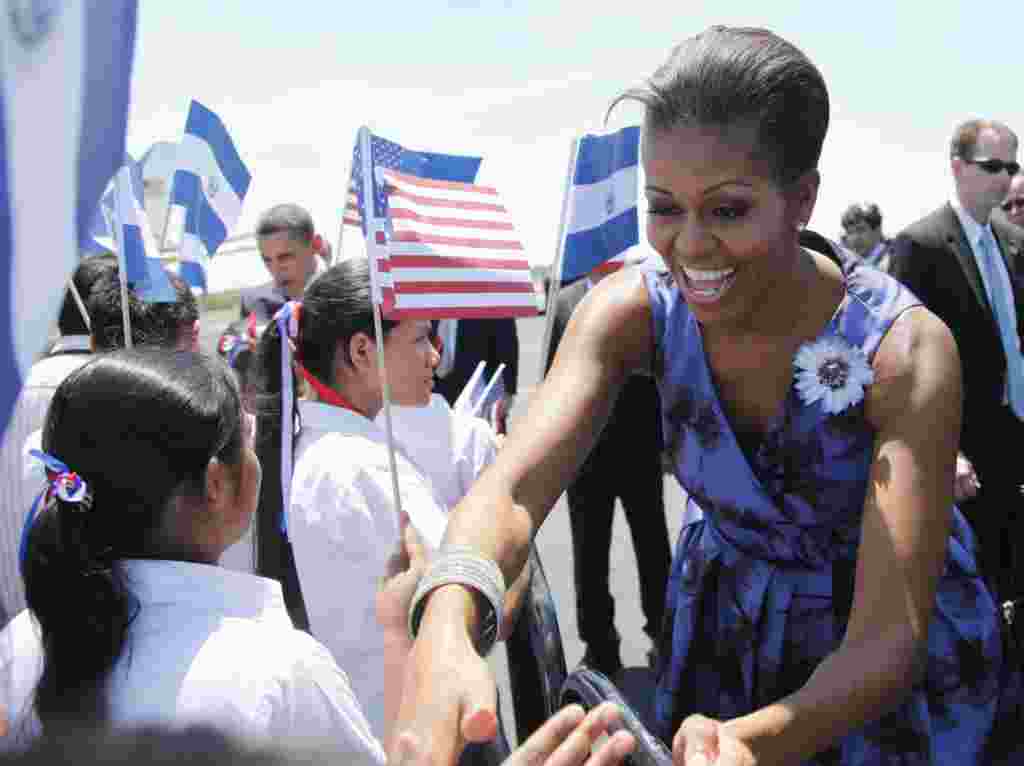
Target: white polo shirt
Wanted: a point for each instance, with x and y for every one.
(209, 646)
(343, 527)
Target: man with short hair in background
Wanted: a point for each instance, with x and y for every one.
(290, 247)
(962, 264)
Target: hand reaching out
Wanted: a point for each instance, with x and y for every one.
(566, 739)
(703, 741)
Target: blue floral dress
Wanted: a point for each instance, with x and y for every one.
(761, 587)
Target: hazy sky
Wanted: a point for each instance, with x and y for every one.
(515, 81)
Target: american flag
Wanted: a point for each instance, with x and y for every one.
(453, 252)
(384, 154)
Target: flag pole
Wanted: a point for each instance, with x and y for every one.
(80, 303)
(122, 261)
(556, 266)
(341, 226)
(376, 298)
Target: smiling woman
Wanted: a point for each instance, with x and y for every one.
(827, 608)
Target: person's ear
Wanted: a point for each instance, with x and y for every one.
(956, 166)
(362, 351)
(805, 196)
(220, 484)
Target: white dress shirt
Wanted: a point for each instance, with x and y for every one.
(28, 415)
(974, 231)
(343, 527)
(449, 447)
(209, 646)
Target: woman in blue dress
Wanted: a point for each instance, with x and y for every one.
(827, 608)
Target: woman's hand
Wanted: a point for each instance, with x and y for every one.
(566, 739)
(703, 741)
(449, 697)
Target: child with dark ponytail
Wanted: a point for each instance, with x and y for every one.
(151, 476)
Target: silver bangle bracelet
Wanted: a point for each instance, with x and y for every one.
(462, 565)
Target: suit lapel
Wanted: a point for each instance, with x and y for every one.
(958, 245)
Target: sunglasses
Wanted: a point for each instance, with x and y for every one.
(1010, 204)
(994, 166)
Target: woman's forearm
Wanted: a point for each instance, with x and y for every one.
(853, 686)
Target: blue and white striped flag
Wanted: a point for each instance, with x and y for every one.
(602, 211)
(66, 68)
(210, 184)
(136, 248)
(100, 238)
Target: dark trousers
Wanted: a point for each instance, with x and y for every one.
(638, 482)
(996, 513)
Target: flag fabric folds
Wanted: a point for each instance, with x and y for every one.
(100, 238)
(602, 220)
(136, 248)
(63, 113)
(466, 403)
(453, 252)
(210, 183)
(389, 155)
(492, 398)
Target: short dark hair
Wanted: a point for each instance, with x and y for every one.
(139, 427)
(965, 137)
(729, 77)
(153, 324)
(862, 212)
(289, 218)
(90, 269)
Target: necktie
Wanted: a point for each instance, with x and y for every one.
(1001, 304)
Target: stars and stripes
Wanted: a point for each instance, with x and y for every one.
(453, 251)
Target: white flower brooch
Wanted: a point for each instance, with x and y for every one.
(832, 371)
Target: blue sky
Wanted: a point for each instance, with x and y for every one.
(514, 81)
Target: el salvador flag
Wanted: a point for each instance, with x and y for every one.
(210, 184)
(100, 238)
(66, 67)
(136, 247)
(602, 211)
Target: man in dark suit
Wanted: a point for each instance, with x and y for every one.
(289, 247)
(965, 268)
(467, 342)
(625, 464)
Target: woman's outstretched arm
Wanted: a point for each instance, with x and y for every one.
(449, 695)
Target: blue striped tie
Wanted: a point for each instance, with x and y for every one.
(1007, 324)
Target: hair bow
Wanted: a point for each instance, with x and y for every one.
(62, 483)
